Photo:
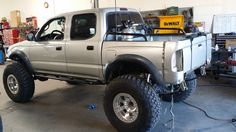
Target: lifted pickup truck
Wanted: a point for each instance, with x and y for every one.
(110, 46)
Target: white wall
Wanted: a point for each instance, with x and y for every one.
(36, 8)
(203, 9)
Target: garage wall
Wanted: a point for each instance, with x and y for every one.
(36, 8)
(203, 9)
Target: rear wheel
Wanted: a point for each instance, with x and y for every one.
(191, 83)
(18, 83)
(131, 104)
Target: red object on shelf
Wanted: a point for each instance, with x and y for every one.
(10, 36)
(5, 25)
(32, 21)
(231, 62)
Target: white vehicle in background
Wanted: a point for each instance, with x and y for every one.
(108, 46)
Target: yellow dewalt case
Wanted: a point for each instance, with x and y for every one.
(170, 22)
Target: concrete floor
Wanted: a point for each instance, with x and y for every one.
(59, 107)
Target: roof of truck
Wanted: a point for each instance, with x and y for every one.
(104, 10)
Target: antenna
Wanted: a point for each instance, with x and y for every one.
(115, 19)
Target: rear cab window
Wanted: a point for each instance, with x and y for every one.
(135, 17)
(125, 26)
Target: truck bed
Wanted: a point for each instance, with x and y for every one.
(196, 52)
(200, 46)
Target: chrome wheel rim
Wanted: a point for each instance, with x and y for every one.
(13, 84)
(125, 107)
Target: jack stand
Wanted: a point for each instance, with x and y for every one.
(203, 71)
(234, 124)
(183, 86)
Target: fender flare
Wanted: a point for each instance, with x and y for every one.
(144, 62)
(22, 57)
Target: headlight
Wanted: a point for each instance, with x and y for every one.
(177, 61)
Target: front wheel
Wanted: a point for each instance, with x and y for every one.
(18, 83)
(131, 104)
(191, 83)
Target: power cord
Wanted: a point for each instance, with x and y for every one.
(172, 113)
(215, 85)
(231, 121)
(208, 116)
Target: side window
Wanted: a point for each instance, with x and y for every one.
(52, 30)
(83, 26)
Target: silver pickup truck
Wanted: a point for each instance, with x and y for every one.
(110, 46)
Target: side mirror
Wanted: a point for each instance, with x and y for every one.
(30, 37)
(92, 31)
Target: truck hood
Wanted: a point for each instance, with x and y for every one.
(21, 44)
(18, 46)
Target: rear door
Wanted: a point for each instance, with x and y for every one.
(84, 46)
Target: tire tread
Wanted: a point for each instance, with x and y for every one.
(151, 99)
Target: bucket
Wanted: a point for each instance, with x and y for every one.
(1, 57)
(1, 126)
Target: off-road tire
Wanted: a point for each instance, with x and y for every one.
(148, 103)
(191, 83)
(25, 83)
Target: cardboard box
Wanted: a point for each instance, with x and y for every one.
(231, 43)
(15, 18)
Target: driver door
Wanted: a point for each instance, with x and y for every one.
(48, 52)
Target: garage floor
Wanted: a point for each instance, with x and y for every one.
(59, 107)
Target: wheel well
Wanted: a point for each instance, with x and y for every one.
(133, 64)
(123, 68)
(17, 58)
(21, 60)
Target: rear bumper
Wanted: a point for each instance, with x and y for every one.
(174, 77)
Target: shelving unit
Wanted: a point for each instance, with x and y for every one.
(224, 63)
(220, 39)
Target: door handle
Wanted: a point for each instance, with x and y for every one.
(90, 47)
(59, 48)
(200, 45)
